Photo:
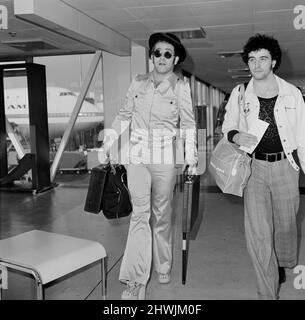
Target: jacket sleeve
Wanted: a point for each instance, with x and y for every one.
(231, 119)
(300, 134)
(187, 123)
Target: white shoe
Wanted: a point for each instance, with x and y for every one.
(164, 278)
(134, 291)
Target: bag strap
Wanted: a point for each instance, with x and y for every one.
(241, 97)
(242, 101)
(179, 98)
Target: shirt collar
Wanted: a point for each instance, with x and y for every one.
(280, 83)
(170, 80)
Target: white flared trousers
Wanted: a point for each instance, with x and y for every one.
(150, 231)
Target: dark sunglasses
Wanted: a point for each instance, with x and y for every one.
(168, 55)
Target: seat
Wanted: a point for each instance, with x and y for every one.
(49, 256)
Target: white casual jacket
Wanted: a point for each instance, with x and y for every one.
(289, 113)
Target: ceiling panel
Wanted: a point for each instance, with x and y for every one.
(228, 25)
(113, 16)
(224, 19)
(221, 7)
(293, 47)
(274, 5)
(171, 24)
(167, 12)
(198, 44)
(87, 5)
(288, 35)
(130, 26)
(154, 3)
(279, 20)
(139, 36)
(233, 32)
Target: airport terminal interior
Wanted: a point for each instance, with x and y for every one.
(218, 265)
(67, 82)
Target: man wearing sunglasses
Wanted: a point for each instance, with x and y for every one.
(154, 106)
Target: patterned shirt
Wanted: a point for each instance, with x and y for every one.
(270, 142)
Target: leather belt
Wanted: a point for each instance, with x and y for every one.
(270, 157)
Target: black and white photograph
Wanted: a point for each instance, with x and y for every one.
(152, 150)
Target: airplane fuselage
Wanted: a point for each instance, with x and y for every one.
(60, 104)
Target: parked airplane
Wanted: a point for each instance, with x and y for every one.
(60, 102)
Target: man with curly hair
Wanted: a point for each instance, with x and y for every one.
(271, 197)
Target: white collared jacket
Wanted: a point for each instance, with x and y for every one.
(289, 114)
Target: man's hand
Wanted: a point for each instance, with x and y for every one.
(111, 158)
(244, 139)
(109, 154)
(191, 168)
(105, 156)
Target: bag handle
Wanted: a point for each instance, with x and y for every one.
(187, 176)
(111, 166)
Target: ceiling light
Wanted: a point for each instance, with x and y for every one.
(188, 34)
(239, 70)
(230, 54)
(29, 44)
(12, 62)
(238, 76)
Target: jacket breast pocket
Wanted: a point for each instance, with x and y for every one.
(291, 115)
(289, 103)
(139, 100)
(169, 107)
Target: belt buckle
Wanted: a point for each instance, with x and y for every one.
(272, 157)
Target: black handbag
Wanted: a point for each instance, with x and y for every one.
(108, 192)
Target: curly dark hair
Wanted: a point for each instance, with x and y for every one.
(261, 41)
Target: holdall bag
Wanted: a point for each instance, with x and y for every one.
(116, 201)
(93, 203)
(108, 192)
(230, 166)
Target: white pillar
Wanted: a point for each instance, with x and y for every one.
(116, 81)
(117, 75)
(139, 60)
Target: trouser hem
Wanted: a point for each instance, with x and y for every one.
(125, 281)
(266, 297)
(287, 264)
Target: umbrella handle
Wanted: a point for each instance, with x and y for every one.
(184, 257)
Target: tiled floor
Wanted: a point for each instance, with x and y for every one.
(218, 264)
